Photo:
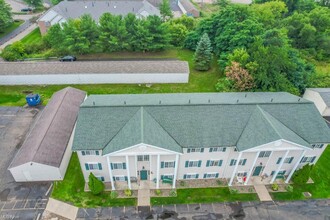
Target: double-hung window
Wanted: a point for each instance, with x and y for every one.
(93, 166)
(317, 145)
(211, 175)
(193, 163)
(193, 150)
(143, 158)
(214, 163)
(288, 160)
(308, 159)
(264, 154)
(167, 164)
(217, 149)
(190, 176)
(90, 152)
(242, 162)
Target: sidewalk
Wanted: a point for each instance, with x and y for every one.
(19, 36)
(263, 193)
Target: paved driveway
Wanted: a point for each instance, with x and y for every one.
(302, 210)
(17, 200)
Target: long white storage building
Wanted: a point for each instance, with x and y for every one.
(94, 72)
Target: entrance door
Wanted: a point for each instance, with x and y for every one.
(144, 174)
(257, 171)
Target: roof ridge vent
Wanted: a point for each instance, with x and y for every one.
(237, 101)
(271, 100)
(124, 102)
(160, 102)
(299, 100)
(189, 101)
(209, 100)
(245, 95)
(93, 103)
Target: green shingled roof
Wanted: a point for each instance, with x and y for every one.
(176, 121)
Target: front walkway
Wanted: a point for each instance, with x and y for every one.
(144, 194)
(263, 193)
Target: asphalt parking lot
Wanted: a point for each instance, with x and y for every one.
(302, 210)
(17, 200)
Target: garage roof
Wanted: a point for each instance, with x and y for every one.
(47, 141)
(94, 67)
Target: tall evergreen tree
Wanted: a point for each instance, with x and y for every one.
(95, 185)
(165, 10)
(5, 15)
(203, 54)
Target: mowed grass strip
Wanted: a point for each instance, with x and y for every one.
(71, 190)
(321, 186)
(198, 82)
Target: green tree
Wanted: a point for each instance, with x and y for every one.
(95, 185)
(55, 38)
(302, 175)
(203, 54)
(178, 33)
(165, 10)
(13, 52)
(188, 22)
(158, 32)
(89, 31)
(74, 40)
(5, 15)
(113, 36)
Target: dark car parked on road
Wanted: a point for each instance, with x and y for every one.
(68, 58)
(26, 9)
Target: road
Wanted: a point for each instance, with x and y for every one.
(302, 210)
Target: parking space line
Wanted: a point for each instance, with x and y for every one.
(3, 206)
(213, 207)
(188, 207)
(25, 203)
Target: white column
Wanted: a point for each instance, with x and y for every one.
(279, 166)
(110, 174)
(136, 169)
(235, 169)
(150, 176)
(128, 173)
(295, 167)
(158, 165)
(251, 169)
(175, 170)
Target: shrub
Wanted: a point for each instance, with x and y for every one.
(289, 188)
(233, 191)
(95, 185)
(158, 192)
(128, 192)
(13, 52)
(219, 182)
(173, 193)
(302, 175)
(250, 190)
(113, 194)
(275, 187)
(182, 183)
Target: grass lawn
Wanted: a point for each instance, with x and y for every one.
(12, 27)
(33, 37)
(205, 195)
(321, 178)
(198, 82)
(71, 190)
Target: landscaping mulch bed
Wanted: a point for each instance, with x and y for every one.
(164, 193)
(281, 188)
(201, 183)
(121, 194)
(243, 189)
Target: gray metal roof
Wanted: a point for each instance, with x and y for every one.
(244, 120)
(75, 9)
(94, 67)
(48, 139)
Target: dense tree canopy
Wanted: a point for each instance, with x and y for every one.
(5, 15)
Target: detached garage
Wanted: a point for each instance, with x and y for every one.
(46, 151)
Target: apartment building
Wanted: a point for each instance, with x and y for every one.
(250, 138)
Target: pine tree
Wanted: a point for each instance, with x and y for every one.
(203, 54)
(95, 185)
